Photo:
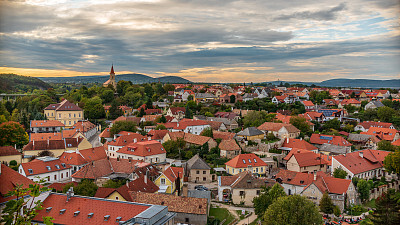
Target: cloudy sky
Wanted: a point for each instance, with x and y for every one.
(203, 40)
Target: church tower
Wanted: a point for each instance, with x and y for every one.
(112, 79)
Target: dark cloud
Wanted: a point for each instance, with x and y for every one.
(329, 14)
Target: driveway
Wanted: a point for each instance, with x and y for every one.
(94, 140)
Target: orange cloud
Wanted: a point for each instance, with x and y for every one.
(52, 73)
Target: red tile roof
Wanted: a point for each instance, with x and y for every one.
(86, 205)
(329, 139)
(294, 178)
(196, 139)
(157, 134)
(293, 151)
(45, 136)
(308, 103)
(53, 144)
(269, 126)
(8, 150)
(153, 111)
(127, 138)
(72, 158)
(312, 115)
(305, 159)
(9, 180)
(106, 133)
(144, 148)
(83, 126)
(245, 160)
(129, 118)
(172, 173)
(382, 133)
(297, 143)
(349, 101)
(46, 123)
(368, 124)
(229, 145)
(372, 159)
(331, 184)
(38, 166)
(176, 110)
(64, 106)
(223, 135)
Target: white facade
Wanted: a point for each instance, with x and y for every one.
(192, 129)
(50, 177)
(149, 159)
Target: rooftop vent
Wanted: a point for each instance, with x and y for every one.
(62, 211)
(118, 219)
(90, 215)
(48, 209)
(106, 218)
(76, 213)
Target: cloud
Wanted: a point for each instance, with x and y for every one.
(329, 14)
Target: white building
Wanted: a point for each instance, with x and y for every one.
(48, 168)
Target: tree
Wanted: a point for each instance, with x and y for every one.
(232, 99)
(363, 190)
(254, 119)
(387, 209)
(269, 195)
(385, 113)
(19, 211)
(339, 173)
(325, 204)
(15, 115)
(86, 188)
(114, 111)
(94, 108)
(392, 162)
(123, 126)
(208, 114)
(4, 111)
(292, 209)
(115, 183)
(13, 133)
(386, 145)
(301, 124)
(207, 132)
(169, 87)
(162, 119)
(332, 124)
(188, 113)
(107, 95)
(190, 98)
(160, 127)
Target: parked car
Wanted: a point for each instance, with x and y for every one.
(200, 188)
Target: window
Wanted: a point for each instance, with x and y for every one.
(261, 169)
(258, 192)
(204, 179)
(48, 178)
(186, 220)
(197, 172)
(70, 122)
(163, 181)
(240, 170)
(256, 170)
(48, 168)
(204, 172)
(67, 174)
(70, 115)
(244, 161)
(241, 193)
(55, 177)
(62, 175)
(30, 171)
(57, 166)
(249, 160)
(63, 165)
(255, 161)
(59, 115)
(116, 197)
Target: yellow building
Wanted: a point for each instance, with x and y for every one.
(251, 133)
(65, 112)
(8, 154)
(57, 147)
(167, 180)
(246, 162)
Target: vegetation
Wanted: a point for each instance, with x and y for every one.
(115, 183)
(363, 190)
(16, 83)
(326, 204)
(13, 133)
(339, 173)
(123, 126)
(387, 208)
(267, 197)
(392, 162)
(219, 214)
(85, 187)
(292, 210)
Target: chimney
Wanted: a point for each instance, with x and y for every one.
(315, 175)
(145, 177)
(135, 140)
(70, 193)
(287, 140)
(361, 154)
(33, 142)
(149, 138)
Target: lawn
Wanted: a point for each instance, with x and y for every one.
(239, 212)
(370, 204)
(221, 214)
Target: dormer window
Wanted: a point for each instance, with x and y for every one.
(57, 166)
(30, 171)
(249, 160)
(244, 161)
(63, 165)
(118, 219)
(90, 215)
(255, 161)
(48, 168)
(106, 218)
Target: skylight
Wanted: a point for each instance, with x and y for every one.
(57, 166)
(48, 168)
(244, 161)
(30, 170)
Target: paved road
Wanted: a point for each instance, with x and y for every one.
(94, 140)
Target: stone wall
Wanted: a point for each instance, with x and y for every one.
(261, 147)
(376, 192)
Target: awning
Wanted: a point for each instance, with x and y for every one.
(162, 189)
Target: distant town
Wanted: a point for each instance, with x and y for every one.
(201, 154)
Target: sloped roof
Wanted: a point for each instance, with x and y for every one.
(382, 133)
(172, 173)
(8, 150)
(297, 143)
(250, 131)
(270, 126)
(372, 159)
(245, 160)
(143, 148)
(368, 124)
(157, 134)
(294, 178)
(329, 139)
(46, 123)
(248, 181)
(64, 106)
(229, 145)
(53, 144)
(60, 186)
(127, 138)
(197, 163)
(106, 133)
(309, 159)
(9, 180)
(196, 139)
(45, 136)
(223, 135)
(38, 166)
(331, 184)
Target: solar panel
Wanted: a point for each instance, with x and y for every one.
(326, 138)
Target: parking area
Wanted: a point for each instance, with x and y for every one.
(212, 185)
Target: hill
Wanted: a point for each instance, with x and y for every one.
(134, 78)
(14, 83)
(355, 83)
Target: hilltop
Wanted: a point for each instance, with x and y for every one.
(134, 78)
(355, 83)
(14, 82)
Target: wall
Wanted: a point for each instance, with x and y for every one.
(8, 158)
(247, 198)
(188, 218)
(376, 192)
(198, 176)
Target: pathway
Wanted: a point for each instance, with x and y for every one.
(232, 209)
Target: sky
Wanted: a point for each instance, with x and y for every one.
(202, 40)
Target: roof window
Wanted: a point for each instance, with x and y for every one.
(118, 219)
(106, 218)
(57, 166)
(90, 215)
(48, 209)
(62, 211)
(255, 161)
(244, 161)
(63, 165)
(249, 160)
(48, 168)
(76, 213)
(30, 170)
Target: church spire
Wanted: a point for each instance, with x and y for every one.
(112, 69)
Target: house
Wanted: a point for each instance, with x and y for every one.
(148, 151)
(186, 94)
(330, 102)
(176, 112)
(78, 159)
(364, 126)
(204, 97)
(157, 135)
(47, 136)
(223, 135)
(308, 105)
(293, 182)
(65, 112)
(229, 115)
(280, 99)
(167, 181)
(364, 164)
(215, 125)
(191, 139)
(197, 170)
(87, 128)
(39, 126)
(246, 162)
(8, 154)
(188, 210)
(286, 120)
(57, 147)
(250, 134)
(306, 161)
(359, 140)
(124, 138)
(330, 114)
(319, 117)
(383, 133)
(280, 130)
(9, 180)
(241, 188)
(319, 139)
(290, 143)
(229, 148)
(105, 136)
(48, 168)
(341, 191)
(230, 124)
(189, 126)
(373, 105)
(70, 209)
(351, 102)
(134, 119)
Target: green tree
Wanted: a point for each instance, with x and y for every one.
(190, 98)
(3, 119)
(254, 118)
(4, 111)
(332, 124)
(267, 197)
(208, 114)
(114, 111)
(292, 210)
(86, 188)
(386, 145)
(188, 113)
(148, 89)
(94, 108)
(385, 113)
(301, 124)
(123, 126)
(162, 119)
(13, 133)
(392, 162)
(122, 85)
(116, 183)
(387, 208)
(107, 95)
(15, 115)
(18, 211)
(339, 173)
(232, 99)
(160, 127)
(207, 132)
(326, 204)
(169, 87)
(363, 190)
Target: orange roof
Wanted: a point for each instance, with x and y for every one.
(328, 139)
(349, 101)
(297, 143)
(106, 133)
(45, 136)
(172, 173)
(305, 159)
(38, 166)
(368, 124)
(64, 106)
(293, 151)
(269, 126)
(223, 135)
(229, 145)
(9, 180)
(126, 138)
(372, 159)
(46, 123)
(382, 133)
(245, 160)
(83, 126)
(53, 144)
(397, 142)
(308, 103)
(196, 139)
(294, 178)
(8, 150)
(331, 184)
(157, 134)
(144, 148)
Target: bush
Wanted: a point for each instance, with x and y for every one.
(336, 211)
(13, 163)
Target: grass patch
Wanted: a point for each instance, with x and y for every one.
(370, 204)
(221, 214)
(241, 216)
